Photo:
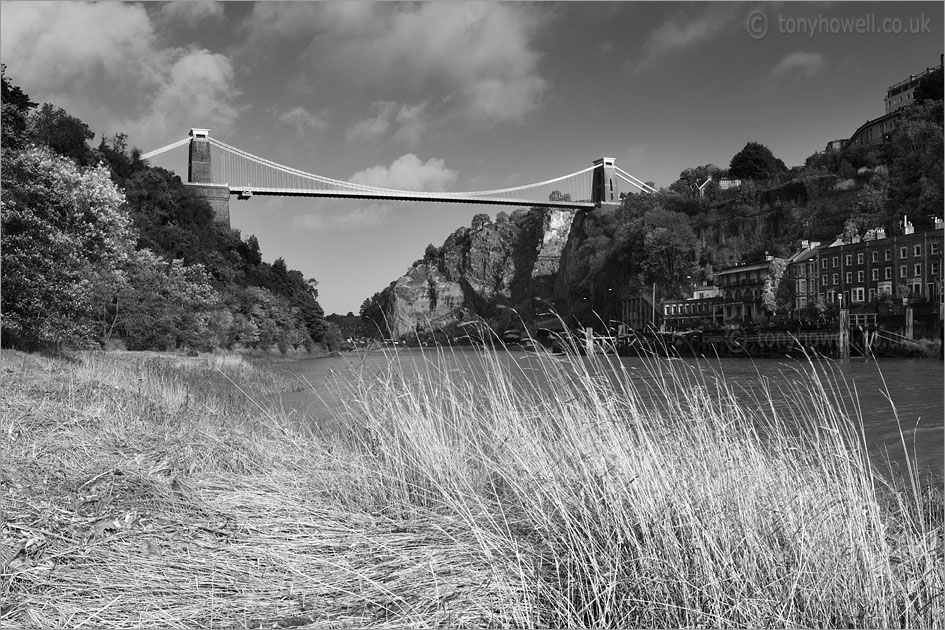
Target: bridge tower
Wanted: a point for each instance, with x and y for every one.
(200, 176)
(604, 188)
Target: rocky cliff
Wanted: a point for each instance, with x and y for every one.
(479, 269)
(422, 299)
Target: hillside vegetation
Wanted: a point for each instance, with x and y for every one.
(101, 249)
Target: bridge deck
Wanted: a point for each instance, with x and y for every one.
(245, 193)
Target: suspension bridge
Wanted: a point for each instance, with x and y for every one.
(240, 173)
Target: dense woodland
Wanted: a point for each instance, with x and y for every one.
(100, 249)
(682, 236)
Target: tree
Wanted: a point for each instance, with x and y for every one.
(480, 220)
(114, 150)
(929, 88)
(374, 311)
(670, 247)
(692, 178)
(166, 305)
(16, 109)
(770, 291)
(755, 161)
(65, 233)
(557, 195)
(334, 340)
(66, 135)
(250, 251)
(915, 164)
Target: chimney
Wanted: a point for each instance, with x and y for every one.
(906, 225)
(939, 223)
(880, 233)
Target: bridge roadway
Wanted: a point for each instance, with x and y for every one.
(243, 192)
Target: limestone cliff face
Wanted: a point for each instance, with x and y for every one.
(556, 228)
(504, 262)
(424, 297)
(568, 269)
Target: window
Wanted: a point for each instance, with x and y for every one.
(836, 262)
(872, 294)
(933, 248)
(858, 294)
(933, 269)
(902, 252)
(848, 260)
(831, 296)
(918, 269)
(802, 286)
(874, 257)
(887, 255)
(823, 263)
(887, 273)
(823, 279)
(859, 259)
(917, 250)
(874, 274)
(834, 279)
(848, 277)
(903, 271)
(859, 276)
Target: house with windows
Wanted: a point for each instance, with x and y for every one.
(803, 275)
(741, 289)
(907, 266)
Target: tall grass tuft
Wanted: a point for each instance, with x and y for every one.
(657, 497)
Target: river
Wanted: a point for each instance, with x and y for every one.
(881, 390)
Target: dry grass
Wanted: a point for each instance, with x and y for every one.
(546, 491)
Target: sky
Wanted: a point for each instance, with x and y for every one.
(459, 96)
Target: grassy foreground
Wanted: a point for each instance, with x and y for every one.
(159, 492)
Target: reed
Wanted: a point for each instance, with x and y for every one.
(466, 489)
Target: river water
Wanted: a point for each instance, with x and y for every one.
(878, 391)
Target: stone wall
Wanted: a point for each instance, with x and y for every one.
(218, 197)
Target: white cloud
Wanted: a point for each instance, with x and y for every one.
(304, 121)
(196, 91)
(678, 34)
(476, 60)
(410, 122)
(190, 12)
(103, 63)
(408, 173)
(332, 220)
(66, 44)
(799, 63)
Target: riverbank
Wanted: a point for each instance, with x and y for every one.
(144, 491)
